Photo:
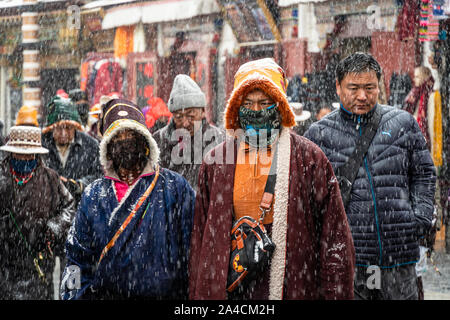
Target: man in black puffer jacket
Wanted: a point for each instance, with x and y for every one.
(391, 200)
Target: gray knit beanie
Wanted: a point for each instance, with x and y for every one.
(185, 94)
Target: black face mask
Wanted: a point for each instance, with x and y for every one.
(130, 154)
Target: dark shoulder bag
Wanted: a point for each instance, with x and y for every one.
(346, 174)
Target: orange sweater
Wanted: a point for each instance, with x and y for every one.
(252, 170)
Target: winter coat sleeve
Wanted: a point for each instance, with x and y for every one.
(200, 213)
(337, 253)
(60, 224)
(422, 177)
(78, 274)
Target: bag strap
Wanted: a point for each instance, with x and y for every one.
(112, 242)
(346, 173)
(269, 190)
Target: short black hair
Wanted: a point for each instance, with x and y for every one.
(357, 62)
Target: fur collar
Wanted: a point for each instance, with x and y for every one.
(128, 124)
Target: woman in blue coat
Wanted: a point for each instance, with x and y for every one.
(130, 238)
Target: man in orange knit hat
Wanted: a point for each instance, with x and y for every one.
(303, 213)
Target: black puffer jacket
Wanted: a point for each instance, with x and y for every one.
(391, 203)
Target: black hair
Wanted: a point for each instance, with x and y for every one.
(357, 62)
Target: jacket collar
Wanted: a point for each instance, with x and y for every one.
(357, 118)
(77, 139)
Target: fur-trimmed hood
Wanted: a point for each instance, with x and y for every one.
(119, 115)
(264, 74)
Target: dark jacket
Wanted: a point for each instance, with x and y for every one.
(187, 164)
(83, 163)
(40, 206)
(314, 258)
(391, 202)
(149, 258)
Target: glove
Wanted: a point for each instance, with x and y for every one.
(75, 188)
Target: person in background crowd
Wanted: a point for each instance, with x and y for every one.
(94, 114)
(314, 254)
(391, 199)
(416, 102)
(188, 136)
(424, 103)
(80, 99)
(2, 138)
(72, 153)
(131, 234)
(322, 112)
(302, 117)
(36, 211)
(26, 116)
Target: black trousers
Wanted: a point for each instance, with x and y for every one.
(398, 283)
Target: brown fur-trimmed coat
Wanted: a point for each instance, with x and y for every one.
(314, 258)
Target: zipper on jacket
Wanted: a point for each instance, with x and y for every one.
(255, 170)
(358, 126)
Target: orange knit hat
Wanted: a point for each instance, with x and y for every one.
(27, 116)
(264, 74)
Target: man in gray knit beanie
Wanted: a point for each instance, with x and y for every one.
(188, 136)
(187, 103)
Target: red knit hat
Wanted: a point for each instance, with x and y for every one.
(156, 110)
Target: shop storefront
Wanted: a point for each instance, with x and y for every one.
(39, 54)
(146, 44)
